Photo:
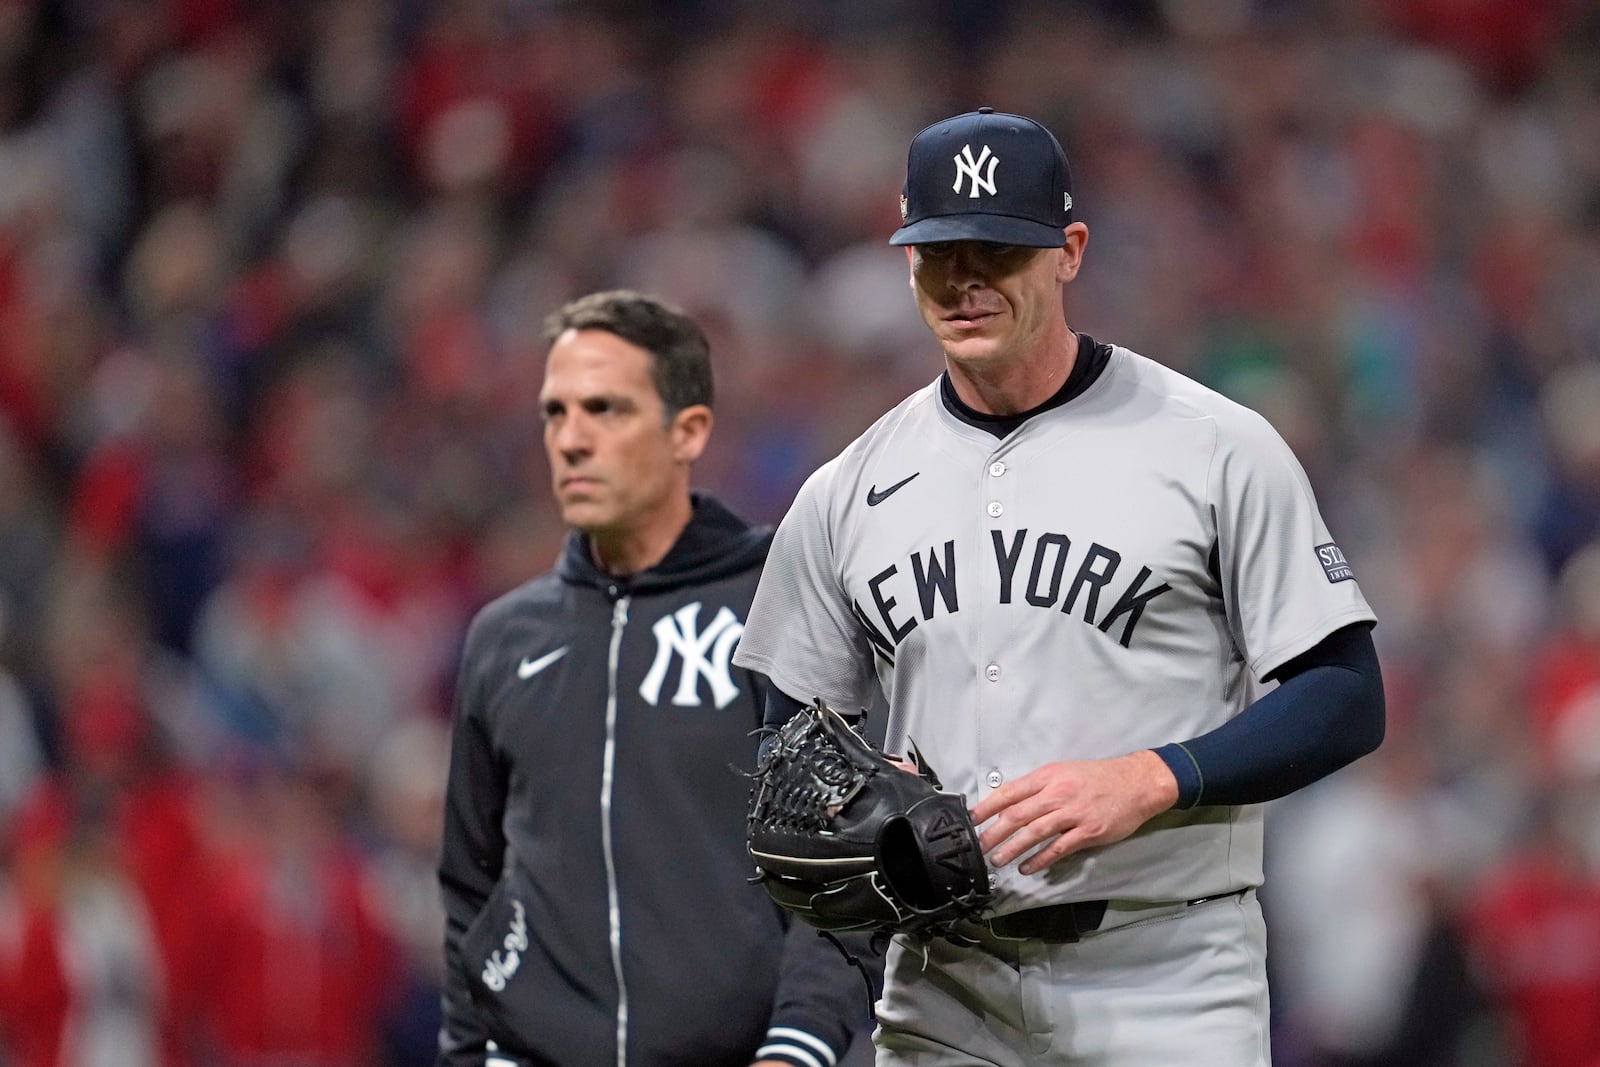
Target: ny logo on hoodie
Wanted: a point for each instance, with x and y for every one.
(704, 653)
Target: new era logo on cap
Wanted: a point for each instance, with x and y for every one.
(986, 176)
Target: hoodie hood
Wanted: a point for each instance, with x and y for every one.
(716, 543)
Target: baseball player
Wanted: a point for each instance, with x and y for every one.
(1064, 564)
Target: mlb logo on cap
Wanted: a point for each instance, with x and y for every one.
(985, 176)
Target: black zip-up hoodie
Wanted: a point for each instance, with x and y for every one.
(594, 871)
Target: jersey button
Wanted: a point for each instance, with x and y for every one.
(996, 509)
(994, 778)
(992, 672)
(997, 468)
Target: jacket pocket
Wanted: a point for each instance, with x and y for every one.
(494, 948)
(542, 1006)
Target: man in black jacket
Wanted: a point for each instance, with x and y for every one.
(595, 878)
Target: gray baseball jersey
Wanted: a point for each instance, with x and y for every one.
(1106, 578)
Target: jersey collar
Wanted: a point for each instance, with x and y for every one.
(1091, 361)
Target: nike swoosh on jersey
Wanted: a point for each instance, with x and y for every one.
(874, 498)
(530, 667)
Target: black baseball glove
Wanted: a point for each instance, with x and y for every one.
(846, 840)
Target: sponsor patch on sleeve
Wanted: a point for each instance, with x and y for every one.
(1333, 563)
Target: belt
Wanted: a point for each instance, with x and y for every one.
(1059, 924)
(1062, 924)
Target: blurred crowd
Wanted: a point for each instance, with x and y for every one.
(272, 279)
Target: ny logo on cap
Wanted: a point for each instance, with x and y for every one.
(968, 167)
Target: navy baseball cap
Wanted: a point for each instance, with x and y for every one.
(985, 176)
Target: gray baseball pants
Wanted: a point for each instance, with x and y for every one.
(1156, 985)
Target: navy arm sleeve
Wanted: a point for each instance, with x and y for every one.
(781, 707)
(1326, 712)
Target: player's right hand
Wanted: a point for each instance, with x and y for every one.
(1062, 808)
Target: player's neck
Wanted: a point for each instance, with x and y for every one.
(1010, 387)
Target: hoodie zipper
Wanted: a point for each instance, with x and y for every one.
(619, 621)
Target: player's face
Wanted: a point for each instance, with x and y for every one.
(988, 302)
(617, 462)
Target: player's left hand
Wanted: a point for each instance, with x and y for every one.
(1070, 806)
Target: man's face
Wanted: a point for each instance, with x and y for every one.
(987, 302)
(616, 460)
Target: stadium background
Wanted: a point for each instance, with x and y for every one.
(272, 274)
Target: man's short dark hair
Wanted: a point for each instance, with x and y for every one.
(680, 364)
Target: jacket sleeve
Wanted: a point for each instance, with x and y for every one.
(824, 999)
(472, 854)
